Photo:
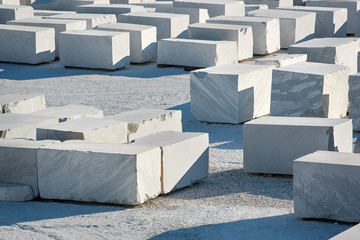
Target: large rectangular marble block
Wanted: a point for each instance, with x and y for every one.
(230, 93)
(196, 53)
(10, 2)
(125, 1)
(92, 20)
(99, 172)
(354, 100)
(95, 49)
(15, 192)
(154, 4)
(330, 22)
(144, 122)
(350, 234)
(271, 144)
(143, 43)
(281, 59)
(26, 44)
(197, 15)
(168, 25)
(242, 35)
(16, 103)
(295, 26)
(326, 186)
(14, 12)
(109, 9)
(310, 90)
(44, 13)
(77, 3)
(271, 3)
(252, 7)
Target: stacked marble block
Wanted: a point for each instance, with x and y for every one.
(14, 12)
(196, 15)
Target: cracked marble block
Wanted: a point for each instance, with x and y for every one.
(354, 100)
(87, 129)
(95, 49)
(197, 15)
(14, 12)
(271, 144)
(310, 90)
(59, 25)
(16, 103)
(271, 3)
(109, 9)
(185, 157)
(143, 43)
(350, 234)
(241, 34)
(168, 25)
(326, 186)
(281, 59)
(330, 22)
(26, 44)
(18, 162)
(144, 122)
(230, 93)
(15, 192)
(295, 26)
(266, 31)
(252, 7)
(99, 172)
(196, 52)
(92, 20)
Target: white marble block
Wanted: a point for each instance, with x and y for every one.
(271, 144)
(109, 9)
(144, 122)
(143, 43)
(295, 26)
(230, 93)
(271, 3)
(330, 22)
(310, 90)
(92, 20)
(10, 2)
(281, 59)
(168, 25)
(154, 4)
(125, 1)
(252, 7)
(77, 3)
(196, 53)
(16, 103)
(26, 44)
(87, 129)
(197, 15)
(354, 100)
(350, 234)
(44, 13)
(99, 172)
(266, 31)
(62, 5)
(59, 25)
(18, 162)
(242, 35)
(95, 49)
(326, 186)
(13, 12)
(15, 192)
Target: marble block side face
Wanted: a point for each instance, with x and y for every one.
(252, 7)
(354, 100)
(197, 15)
(109, 9)
(281, 60)
(15, 192)
(99, 172)
(92, 20)
(13, 12)
(230, 93)
(350, 234)
(16, 103)
(185, 157)
(270, 148)
(310, 90)
(326, 186)
(271, 3)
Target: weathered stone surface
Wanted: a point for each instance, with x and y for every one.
(354, 100)
(281, 59)
(270, 145)
(271, 3)
(310, 90)
(350, 234)
(15, 192)
(252, 7)
(16, 103)
(92, 20)
(326, 186)
(109, 9)
(197, 15)
(13, 12)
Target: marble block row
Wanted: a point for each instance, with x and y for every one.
(14, 12)
(281, 59)
(271, 3)
(271, 144)
(109, 9)
(92, 20)
(196, 15)
(15, 192)
(16, 103)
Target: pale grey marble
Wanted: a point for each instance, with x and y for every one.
(77, 3)
(281, 59)
(16, 103)
(10, 2)
(60, 5)
(44, 13)
(252, 7)
(124, 1)
(350, 234)
(13, 12)
(109, 9)
(154, 4)
(15, 192)
(271, 3)
(197, 15)
(92, 20)
(354, 100)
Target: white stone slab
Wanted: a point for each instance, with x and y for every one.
(10, 2)
(197, 15)
(125, 1)
(252, 7)
(99, 172)
(242, 35)
(15, 192)
(196, 53)
(16, 103)
(230, 93)
(154, 4)
(281, 59)
(143, 43)
(13, 12)
(326, 186)
(271, 144)
(271, 3)
(61, 5)
(354, 100)
(144, 122)
(44, 13)
(109, 9)
(92, 20)
(266, 31)
(295, 26)
(168, 25)
(77, 3)
(350, 234)
(95, 49)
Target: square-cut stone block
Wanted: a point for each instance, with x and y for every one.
(95, 49)
(99, 172)
(92, 20)
(295, 26)
(326, 186)
(281, 59)
(354, 100)
(252, 7)
(310, 90)
(266, 31)
(144, 122)
(196, 53)
(15, 192)
(197, 15)
(350, 234)
(25, 44)
(10, 2)
(241, 34)
(271, 3)
(16, 103)
(109, 9)
(271, 144)
(77, 3)
(124, 1)
(154, 4)
(44, 13)
(143, 43)
(13, 12)
(230, 93)
(62, 5)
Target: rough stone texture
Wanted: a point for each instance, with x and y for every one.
(271, 3)
(354, 100)
(13, 12)
(281, 59)
(350, 234)
(197, 15)
(271, 144)
(326, 186)
(266, 31)
(16, 103)
(310, 90)
(15, 192)
(109, 9)
(295, 26)
(143, 45)
(144, 122)
(99, 172)
(25, 44)
(95, 49)
(252, 7)
(185, 157)
(196, 53)
(92, 20)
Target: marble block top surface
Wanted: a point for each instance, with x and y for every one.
(124, 26)
(278, 13)
(298, 121)
(23, 28)
(141, 115)
(324, 42)
(329, 157)
(312, 68)
(24, 143)
(233, 69)
(16, 97)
